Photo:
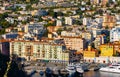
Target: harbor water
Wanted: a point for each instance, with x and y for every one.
(100, 74)
(93, 74)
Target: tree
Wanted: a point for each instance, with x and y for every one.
(107, 4)
(93, 45)
(106, 27)
(28, 7)
(51, 12)
(88, 2)
(59, 31)
(45, 33)
(40, 19)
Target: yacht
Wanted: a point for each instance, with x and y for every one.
(79, 69)
(55, 71)
(115, 68)
(71, 68)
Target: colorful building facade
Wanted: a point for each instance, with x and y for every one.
(90, 52)
(107, 50)
(33, 50)
(74, 42)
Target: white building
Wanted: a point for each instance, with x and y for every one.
(115, 34)
(68, 20)
(34, 28)
(86, 21)
(59, 23)
(96, 32)
(36, 50)
(65, 33)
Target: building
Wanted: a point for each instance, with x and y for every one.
(34, 29)
(107, 50)
(104, 2)
(68, 33)
(89, 52)
(96, 32)
(95, 2)
(86, 21)
(88, 36)
(36, 50)
(100, 39)
(10, 35)
(117, 48)
(74, 42)
(59, 23)
(68, 21)
(115, 34)
(109, 21)
(4, 47)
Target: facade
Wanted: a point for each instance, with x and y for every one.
(117, 48)
(98, 41)
(4, 47)
(96, 32)
(86, 21)
(10, 36)
(68, 20)
(90, 52)
(33, 50)
(66, 33)
(59, 23)
(35, 29)
(74, 43)
(87, 35)
(102, 59)
(109, 21)
(115, 34)
(107, 50)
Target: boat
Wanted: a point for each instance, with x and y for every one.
(41, 73)
(115, 68)
(64, 72)
(48, 72)
(71, 68)
(79, 69)
(85, 67)
(55, 71)
(96, 68)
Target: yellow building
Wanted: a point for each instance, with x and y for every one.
(90, 52)
(106, 50)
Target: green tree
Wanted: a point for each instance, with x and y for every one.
(45, 33)
(88, 2)
(59, 31)
(28, 7)
(106, 27)
(40, 19)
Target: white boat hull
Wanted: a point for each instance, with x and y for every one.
(110, 70)
(79, 70)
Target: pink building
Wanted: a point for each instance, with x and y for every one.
(74, 43)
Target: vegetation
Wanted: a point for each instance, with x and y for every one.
(13, 71)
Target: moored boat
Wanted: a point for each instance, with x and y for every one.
(115, 68)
